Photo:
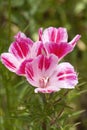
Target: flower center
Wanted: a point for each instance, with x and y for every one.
(44, 82)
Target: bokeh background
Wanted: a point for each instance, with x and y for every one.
(28, 16)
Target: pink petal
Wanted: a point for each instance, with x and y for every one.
(40, 67)
(21, 36)
(10, 61)
(32, 74)
(54, 35)
(40, 34)
(47, 64)
(47, 90)
(21, 69)
(59, 50)
(21, 47)
(62, 35)
(37, 49)
(64, 76)
(56, 41)
(75, 40)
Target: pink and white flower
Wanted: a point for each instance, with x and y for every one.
(38, 48)
(21, 51)
(38, 61)
(48, 76)
(56, 41)
(18, 54)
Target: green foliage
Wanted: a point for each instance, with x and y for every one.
(20, 107)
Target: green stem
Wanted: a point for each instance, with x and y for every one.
(44, 126)
(9, 35)
(9, 20)
(26, 28)
(7, 110)
(44, 98)
(58, 116)
(61, 97)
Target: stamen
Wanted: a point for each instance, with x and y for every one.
(43, 82)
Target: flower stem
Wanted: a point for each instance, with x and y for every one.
(44, 126)
(44, 98)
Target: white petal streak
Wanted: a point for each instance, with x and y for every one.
(10, 61)
(64, 76)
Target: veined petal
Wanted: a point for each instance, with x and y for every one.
(64, 76)
(56, 41)
(60, 50)
(38, 49)
(32, 74)
(40, 31)
(10, 61)
(46, 65)
(21, 69)
(55, 35)
(21, 47)
(62, 35)
(75, 40)
(21, 36)
(40, 68)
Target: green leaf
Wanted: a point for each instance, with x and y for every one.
(77, 113)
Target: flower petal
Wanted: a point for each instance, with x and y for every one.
(62, 35)
(40, 67)
(75, 40)
(54, 35)
(10, 61)
(59, 50)
(64, 76)
(40, 31)
(32, 73)
(19, 36)
(56, 41)
(21, 69)
(38, 49)
(47, 90)
(46, 65)
(21, 47)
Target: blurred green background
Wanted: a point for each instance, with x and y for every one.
(28, 16)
